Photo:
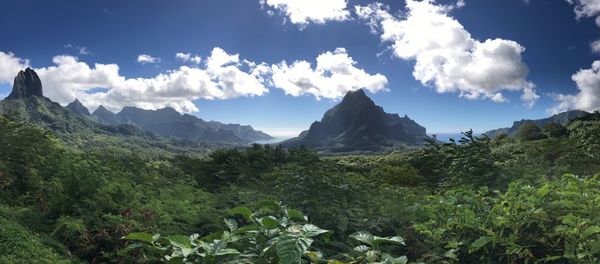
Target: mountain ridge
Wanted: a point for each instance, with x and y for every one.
(560, 118)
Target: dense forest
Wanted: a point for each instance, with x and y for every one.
(532, 198)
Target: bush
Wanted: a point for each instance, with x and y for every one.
(529, 131)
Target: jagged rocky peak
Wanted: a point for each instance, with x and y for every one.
(27, 84)
(78, 108)
(358, 124)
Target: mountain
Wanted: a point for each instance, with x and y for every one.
(106, 116)
(27, 84)
(561, 118)
(168, 122)
(78, 108)
(27, 103)
(357, 124)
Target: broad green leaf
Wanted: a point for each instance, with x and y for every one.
(290, 249)
(364, 237)
(388, 259)
(361, 248)
(313, 230)
(269, 222)
(241, 210)
(140, 237)
(388, 240)
(227, 251)
(231, 224)
(479, 243)
(314, 256)
(180, 241)
(591, 230)
(296, 215)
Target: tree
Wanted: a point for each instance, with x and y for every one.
(555, 130)
(529, 131)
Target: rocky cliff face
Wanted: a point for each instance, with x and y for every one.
(27, 84)
(357, 124)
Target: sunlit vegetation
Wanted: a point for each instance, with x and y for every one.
(534, 198)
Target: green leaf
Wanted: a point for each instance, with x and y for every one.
(591, 230)
(314, 256)
(479, 243)
(296, 215)
(361, 248)
(290, 249)
(180, 241)
(313, 230)
(227, 251)
(231, 224)
(388, 259)
(145, 237)
(364, 237)
(388, 240)
(269, 222)
(241, 210)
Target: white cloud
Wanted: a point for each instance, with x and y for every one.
(188, 57)
(303, 12)
(70, 78)
(83, 50)
(595, 46)
(446, 55)
(588, 8)
(585, 8)
(334, 75)
(10, 66)
(145, 58)
(588, 97)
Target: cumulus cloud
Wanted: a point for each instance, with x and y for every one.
(306, 11)
(188, 57)
(446, 56)
(588, 97)
(334, 75)
(223, 77)
(145, 58)
(9, 66)
(585, 8)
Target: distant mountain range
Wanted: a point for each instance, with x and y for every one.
(357, 124)
(27, 102)
(167, 122)
(562, 118)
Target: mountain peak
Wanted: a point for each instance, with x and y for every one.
(27, 84)
(356, 97)
(358, 124)
(78, 108)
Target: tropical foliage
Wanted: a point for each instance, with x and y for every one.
(470, 200)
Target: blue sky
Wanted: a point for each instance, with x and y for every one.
(556, 46)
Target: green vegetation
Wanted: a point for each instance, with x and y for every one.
(471, 200)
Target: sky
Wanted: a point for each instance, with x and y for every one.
(278, 65)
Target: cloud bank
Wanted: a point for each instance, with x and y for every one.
(335, 74)
(588, 97)
(446, 56)
(222, 76)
